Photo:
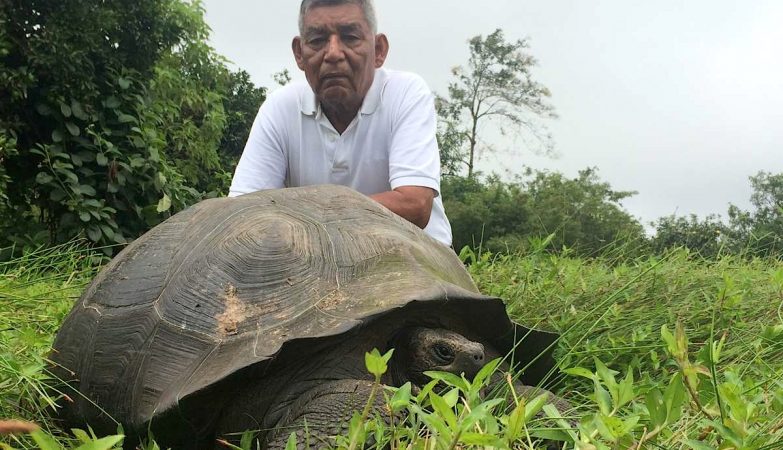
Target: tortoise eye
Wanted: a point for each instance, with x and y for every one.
(443, 353)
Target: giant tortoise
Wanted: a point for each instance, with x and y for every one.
(255, 312)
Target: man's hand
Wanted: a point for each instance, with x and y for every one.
(412, 203)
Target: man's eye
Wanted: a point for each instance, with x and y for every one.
(315, 42)
(350, 38)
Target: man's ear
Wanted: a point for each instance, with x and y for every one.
(296, 47)
(381, 49)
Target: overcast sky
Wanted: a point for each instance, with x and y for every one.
(679, 100)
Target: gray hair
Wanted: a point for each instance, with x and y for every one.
(366, 5)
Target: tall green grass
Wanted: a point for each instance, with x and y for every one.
(671, 352)
(712, 327)
(36, 292)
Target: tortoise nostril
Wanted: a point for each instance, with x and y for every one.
(478, 357)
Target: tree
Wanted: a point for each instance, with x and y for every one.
(480, 212)
(760, 231)
(111, 113)
(241, 104)
(583, 213)
(497, 84)
(706, 237)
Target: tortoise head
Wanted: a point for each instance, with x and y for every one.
(420, 349)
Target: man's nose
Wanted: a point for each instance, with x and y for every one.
(334, 49)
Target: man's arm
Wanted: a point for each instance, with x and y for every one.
(412, 203)
(414, 163)
(262, 164)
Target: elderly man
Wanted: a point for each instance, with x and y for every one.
(353, 123)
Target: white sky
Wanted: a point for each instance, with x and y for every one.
(681, 101)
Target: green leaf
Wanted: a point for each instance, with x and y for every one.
(94, 233)
(43, 110)
(401, 398)
(72, 128)
(124, 83)
(107, 231)
(57, 136)
(85, 217)
(81, 435)
(535, 405)
(565, 427)
(443, 409)
(625, 390)
(111, 102)
(44, 441)
(580, 372)
(449, 379)
(43, 178)
(291, 443)
(452, 397)
(486, 372)
(165, 204)
(65, 109)
(57, 195)
(656, 408)
(246, 442)
(673, 398)
(126, 118)
(607, 426)
(87, 190)
(602, 398)
(101, 159)
(516, 421)
(106, 443)
(78, 111)
(376, 363)
(483, 440)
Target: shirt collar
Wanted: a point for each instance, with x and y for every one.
(310, 106)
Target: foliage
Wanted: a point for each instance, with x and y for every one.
(479, 212)
(111, 117)
(583, 214)
(704, 237)
(714, 382)
(497, 85)
(760, 232)
(241, 105)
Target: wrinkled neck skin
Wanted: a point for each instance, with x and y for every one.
(340, 116)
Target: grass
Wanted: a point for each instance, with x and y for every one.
(36, 292)
(668, 352)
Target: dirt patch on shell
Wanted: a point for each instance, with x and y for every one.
(234, 314)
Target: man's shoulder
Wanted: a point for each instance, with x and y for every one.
(290, 96)
(403, 81)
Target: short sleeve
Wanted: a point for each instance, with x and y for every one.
(263, 164)
(414, 159)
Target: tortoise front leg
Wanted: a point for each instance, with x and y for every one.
(324, 412)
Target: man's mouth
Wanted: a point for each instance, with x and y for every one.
(332, 76)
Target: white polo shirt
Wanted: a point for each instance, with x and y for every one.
(390, 143)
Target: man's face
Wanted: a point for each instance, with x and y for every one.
(339, 54)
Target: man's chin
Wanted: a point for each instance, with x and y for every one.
(336, 98)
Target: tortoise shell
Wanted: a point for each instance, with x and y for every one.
(225, 284)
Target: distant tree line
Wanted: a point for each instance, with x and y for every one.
(114, 115)
(585, 216)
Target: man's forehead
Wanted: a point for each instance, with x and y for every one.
(341, 27)
(347, 15)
